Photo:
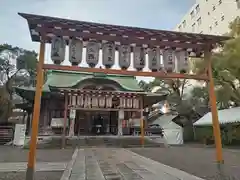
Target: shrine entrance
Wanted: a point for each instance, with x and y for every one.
(168, 57)
(96, 123)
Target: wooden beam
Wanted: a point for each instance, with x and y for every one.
(122, 40)
(100, 92)
(103, 109)
(162, 75)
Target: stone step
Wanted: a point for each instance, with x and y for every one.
(116, 142)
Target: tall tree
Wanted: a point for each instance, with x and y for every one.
(14, 74)
(226, 69)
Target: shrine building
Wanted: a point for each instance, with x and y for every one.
(115, 99)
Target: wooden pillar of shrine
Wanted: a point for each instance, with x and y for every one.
(142, 123)
(65, 120)
(120, 119)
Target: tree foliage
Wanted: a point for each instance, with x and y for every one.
(14, 74)
(226, 72)
(226, 69)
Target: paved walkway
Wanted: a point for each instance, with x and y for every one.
(118, 164)
(40, 166)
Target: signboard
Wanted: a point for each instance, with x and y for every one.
(19, 134)
(57, 122)
(72, 114)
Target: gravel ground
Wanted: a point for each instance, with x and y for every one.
(14, 154)
(196, 161)
(44, 175)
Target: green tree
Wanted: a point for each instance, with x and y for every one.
(14, 75)
(226, 69)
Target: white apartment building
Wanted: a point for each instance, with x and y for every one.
(210, 17)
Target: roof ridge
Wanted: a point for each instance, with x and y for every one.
(88, 73)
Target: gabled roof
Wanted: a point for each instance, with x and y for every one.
(68, 79)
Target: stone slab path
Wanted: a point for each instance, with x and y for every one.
(118, 164)
(40, 166)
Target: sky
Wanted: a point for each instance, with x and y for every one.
(157, 14)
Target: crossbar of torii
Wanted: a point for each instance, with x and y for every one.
(173, 48)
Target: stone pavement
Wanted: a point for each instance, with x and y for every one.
(40, 166)
(118, 164)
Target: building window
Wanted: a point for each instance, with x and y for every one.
(184, 23)
(180, 28)
(193, 27)
(192, 14)
(222, 18)
(216, 23)
(208, 13)
(214, 8)
(198, 8)
(210, 28)
(238, 4)
(220, 2)
(199, 21)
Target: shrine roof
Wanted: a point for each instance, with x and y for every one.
(121, 34)
(70, 79)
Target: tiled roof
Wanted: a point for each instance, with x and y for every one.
(119, 34)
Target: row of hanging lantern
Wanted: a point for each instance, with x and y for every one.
(90, 101)
(99, 101)
(172, 60)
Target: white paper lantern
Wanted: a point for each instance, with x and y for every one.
(58, 47)
(139, 58)
(129, 102)
(154, 59)
(136, 103)
(124, 56)
(169, 60)
(75, 51)
(80, 101)
(108, 54)
(92, 54)
(109, 102)
(87, 101)
(182, 64)
(101, 101)
(122, 102)
(94, 101)
(74, 100)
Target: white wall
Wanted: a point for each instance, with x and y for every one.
(227, 9)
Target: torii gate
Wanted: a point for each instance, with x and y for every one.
(58, 31)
